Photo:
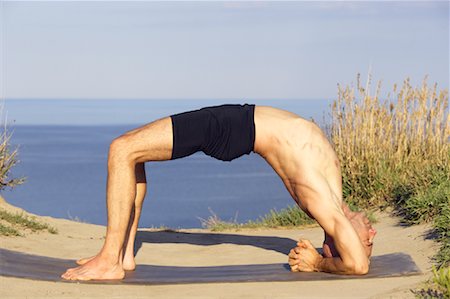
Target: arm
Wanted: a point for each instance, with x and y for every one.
(352, 259)
(318, 199)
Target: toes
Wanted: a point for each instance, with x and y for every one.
(66, 276)
(70, 273)
(78, 275)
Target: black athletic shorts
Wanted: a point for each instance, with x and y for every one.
(224, 132)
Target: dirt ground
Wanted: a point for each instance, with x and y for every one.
(200, 247)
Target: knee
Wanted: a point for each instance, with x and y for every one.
(120, 149)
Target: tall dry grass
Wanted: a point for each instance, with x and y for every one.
(396, 152)
(8, 156)
(386, 144)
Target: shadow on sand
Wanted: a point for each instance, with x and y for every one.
(278, 244)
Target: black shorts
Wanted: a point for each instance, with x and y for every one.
(224, 132)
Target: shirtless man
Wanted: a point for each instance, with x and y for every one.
(296, 149)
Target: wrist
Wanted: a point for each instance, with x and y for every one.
(317, 264)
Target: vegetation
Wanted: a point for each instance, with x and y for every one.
(8, 158)
(397, 153)
(440, 287)
(289, 217)
(13, 224)
(392, 145)
(442, 280)
(6, 230)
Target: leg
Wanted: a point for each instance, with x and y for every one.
(141, 188)
(152, 142)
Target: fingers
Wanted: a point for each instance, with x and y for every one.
(293, 262)
(308, 243)
(304, 243)
(294, 259)
(294, 251)
(301, 244)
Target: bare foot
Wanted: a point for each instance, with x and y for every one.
(85, 260)
(95, 269)
(128, 263)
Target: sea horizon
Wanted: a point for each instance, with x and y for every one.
(85, 112)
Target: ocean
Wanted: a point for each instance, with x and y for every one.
(63, 147)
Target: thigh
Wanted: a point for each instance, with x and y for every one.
(151, 142)
(190, 131)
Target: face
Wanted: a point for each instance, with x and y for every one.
(364, 229)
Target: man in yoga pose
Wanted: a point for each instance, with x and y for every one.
(296, 149)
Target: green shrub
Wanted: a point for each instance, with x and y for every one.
(12, 223)
(291, 216)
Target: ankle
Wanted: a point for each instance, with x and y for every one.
(110, 258)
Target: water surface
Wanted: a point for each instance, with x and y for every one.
(65, 166)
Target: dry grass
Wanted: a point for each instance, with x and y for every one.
(397, 152)
(406, 138)
(8, 157)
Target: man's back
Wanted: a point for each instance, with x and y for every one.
(295, 148)
(306, 162)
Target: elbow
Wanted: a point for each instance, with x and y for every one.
(360, 268)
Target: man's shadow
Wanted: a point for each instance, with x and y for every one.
(278, 244)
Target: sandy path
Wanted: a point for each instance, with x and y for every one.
(205, 248)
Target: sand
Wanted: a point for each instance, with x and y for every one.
(200, 247)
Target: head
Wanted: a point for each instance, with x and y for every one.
(363, 228)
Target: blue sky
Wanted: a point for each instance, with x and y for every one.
(216, 50)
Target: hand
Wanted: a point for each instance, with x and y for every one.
(304, 257)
